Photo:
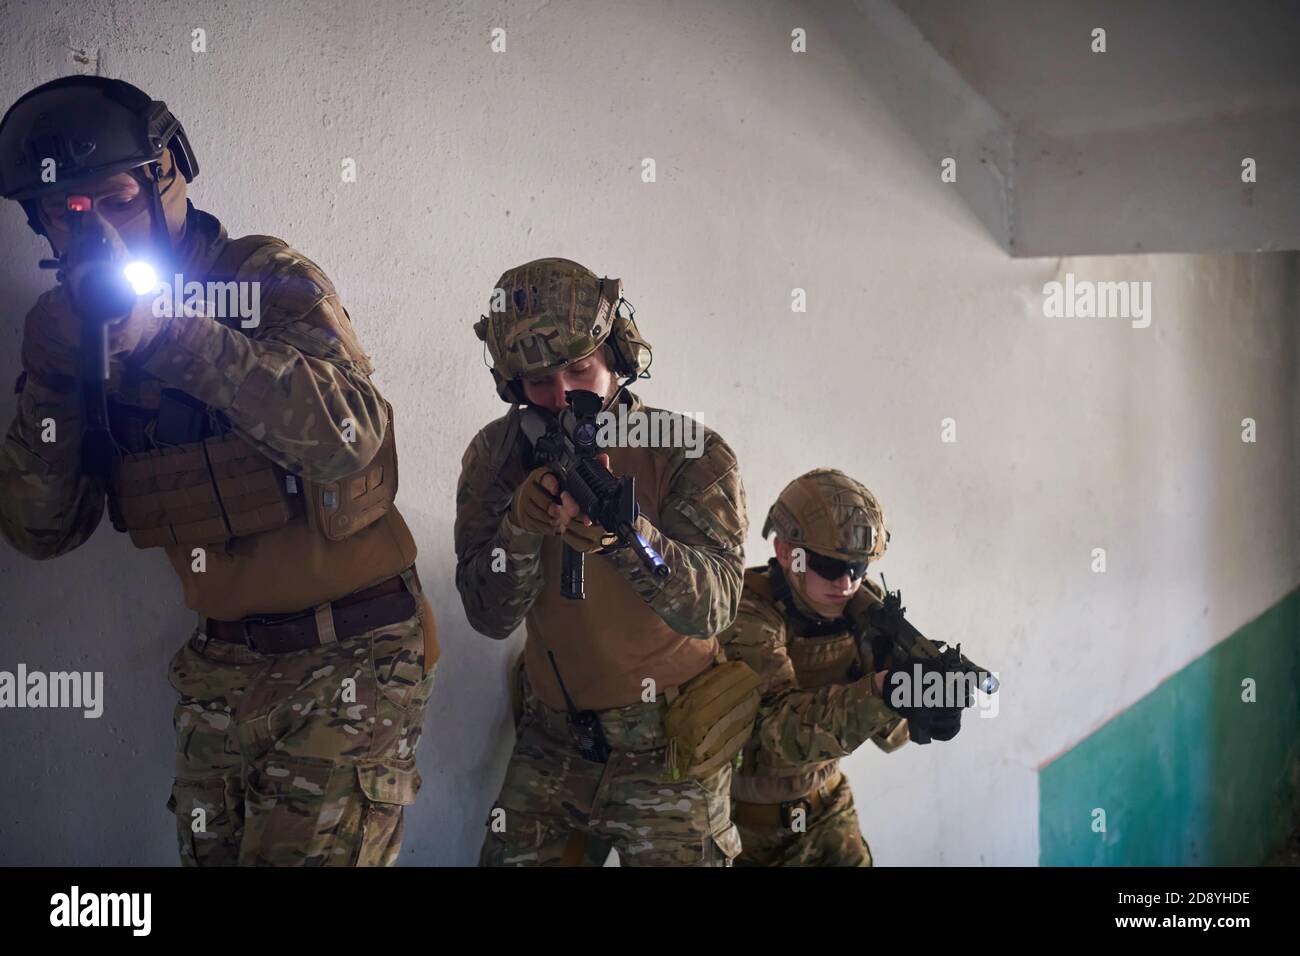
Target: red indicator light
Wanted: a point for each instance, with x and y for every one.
(79, 204)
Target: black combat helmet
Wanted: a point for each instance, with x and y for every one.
(90, 126)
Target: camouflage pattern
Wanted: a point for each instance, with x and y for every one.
(819, 704)
(286, 385)
(48, 506)
(831, 837)
(289, 384)
(700, 538)
(551, 793)
(555, 311)
(547, 313)
(800, 725)
(828, 512)
(299, 759)
(284, 769)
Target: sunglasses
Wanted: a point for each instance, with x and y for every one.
(832, 569)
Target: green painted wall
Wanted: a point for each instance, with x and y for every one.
(1189, 775)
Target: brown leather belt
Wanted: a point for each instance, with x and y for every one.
(781, 814)
(387, 602)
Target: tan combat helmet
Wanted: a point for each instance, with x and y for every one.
(827, 512)
(547, 313)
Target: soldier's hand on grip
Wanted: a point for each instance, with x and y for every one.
(909, 690)
(129, 337)
(942, 723)
(580, 532)
(95, 247)
(587, 537)
(911, 686)
(534, 501)
(568, 513)
(540, 506)
(133, 330)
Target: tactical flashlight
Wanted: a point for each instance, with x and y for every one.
(102, 292)
(141, 276)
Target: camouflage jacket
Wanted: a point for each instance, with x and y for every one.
(286, 385)
(701, 536)
(819, 700)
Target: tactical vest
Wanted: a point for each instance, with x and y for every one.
(821, 652)
(180, 475)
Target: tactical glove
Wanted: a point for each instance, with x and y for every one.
(941, 722)
(530, 507)
(911, 688)
(584, 538)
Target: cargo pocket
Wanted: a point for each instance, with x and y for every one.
(402, 689)
(722, 846)
(183, 665)
(301, 812)
(389, 786)
(209, 821)
(209, 672)
(397, 660)
(520, 838)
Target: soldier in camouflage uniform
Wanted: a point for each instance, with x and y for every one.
(638, 641)
(799, 628)
(261, 459)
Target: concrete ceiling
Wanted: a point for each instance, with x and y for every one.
(1165, 61)
(1138, 149)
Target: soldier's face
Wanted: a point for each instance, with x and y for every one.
(590, 373)
(121, 199)
(826, 597)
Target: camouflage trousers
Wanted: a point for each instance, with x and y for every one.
(831, 837)
(556, 809)
(298, 759)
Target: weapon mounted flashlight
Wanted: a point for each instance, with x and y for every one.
(103, 292)
(142, 276)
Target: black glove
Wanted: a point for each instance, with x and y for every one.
(941, 722)
(908, 681)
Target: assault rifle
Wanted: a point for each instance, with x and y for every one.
(895, 640)
(566, 443)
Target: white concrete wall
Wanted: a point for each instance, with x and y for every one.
(776, 171)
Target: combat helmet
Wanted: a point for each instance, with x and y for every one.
(88, 127)
(547, 313)
(827, 512)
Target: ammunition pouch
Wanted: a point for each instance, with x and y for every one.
(339, 509)
(709, 722)
(203, 492)
(209, 491)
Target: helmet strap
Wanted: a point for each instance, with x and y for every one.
(161, 238)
